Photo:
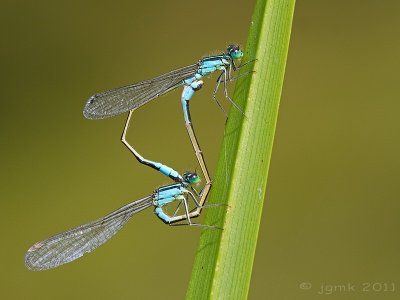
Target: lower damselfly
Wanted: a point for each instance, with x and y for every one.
(74, 243)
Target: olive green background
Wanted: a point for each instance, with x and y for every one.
(331, 215)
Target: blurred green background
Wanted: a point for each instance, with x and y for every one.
(332, 208)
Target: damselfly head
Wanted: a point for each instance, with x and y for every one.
(234, 51)
(191, 177)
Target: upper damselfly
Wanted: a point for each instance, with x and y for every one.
(124, 99)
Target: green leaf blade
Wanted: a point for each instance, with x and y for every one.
(224, 260)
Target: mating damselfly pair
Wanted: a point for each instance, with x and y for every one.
(72, 244)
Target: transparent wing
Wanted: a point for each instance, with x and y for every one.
(72, 244)
(123, 99)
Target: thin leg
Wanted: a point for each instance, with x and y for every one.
(214, 95)
(227, 96)
(198, 195)
(188, 215)
(172, 220)
(197, 204)
(240, 75)
(176, 209)
(226, 78)
(189, 222)
(230, 72)
(246, 63)
(194, 199)
(171, 173)
(186, 211)
(196, 224)
(203, 206)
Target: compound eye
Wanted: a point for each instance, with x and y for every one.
(237, 54)
(191, 177)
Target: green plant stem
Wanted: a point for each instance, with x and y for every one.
(224, 259)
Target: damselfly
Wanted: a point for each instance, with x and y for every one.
(124, 99)
(72, 244)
